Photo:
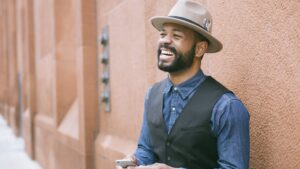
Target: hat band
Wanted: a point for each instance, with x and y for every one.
(178, 17)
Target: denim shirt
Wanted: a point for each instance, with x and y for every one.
(229, 124)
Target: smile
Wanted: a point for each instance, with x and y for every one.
(164, 52)
(166, 55)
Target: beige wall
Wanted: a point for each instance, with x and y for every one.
(260, 62)
(53, 45)
(48, 45)
(25, 57)
(11, 82)
(66, 83)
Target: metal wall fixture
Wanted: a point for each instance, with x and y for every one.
(104, 59)
(105, 77)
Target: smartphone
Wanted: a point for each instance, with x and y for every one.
(125, 163)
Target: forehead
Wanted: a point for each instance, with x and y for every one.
(176, 27)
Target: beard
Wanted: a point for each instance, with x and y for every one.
(181, 61)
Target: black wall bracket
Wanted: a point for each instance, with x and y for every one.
(104, 59)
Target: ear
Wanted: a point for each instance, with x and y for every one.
(201, 47)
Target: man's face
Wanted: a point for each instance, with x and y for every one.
(176, 49)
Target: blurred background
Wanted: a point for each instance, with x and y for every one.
(74, 73)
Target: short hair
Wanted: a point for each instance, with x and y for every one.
(201, 37)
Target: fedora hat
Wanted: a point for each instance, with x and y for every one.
(194, 16)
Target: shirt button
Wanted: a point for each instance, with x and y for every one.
(173, 108)
(168, 144)
(175, 89)
(169, 158)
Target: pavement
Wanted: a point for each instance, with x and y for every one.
(12, 151)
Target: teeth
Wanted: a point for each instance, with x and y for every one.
(166, 52)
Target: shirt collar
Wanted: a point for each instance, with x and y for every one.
(187, 87)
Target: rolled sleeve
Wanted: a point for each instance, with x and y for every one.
(230, 124)
(144, 153)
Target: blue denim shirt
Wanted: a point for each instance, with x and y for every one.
(229, 123)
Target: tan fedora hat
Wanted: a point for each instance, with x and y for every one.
(193, 16)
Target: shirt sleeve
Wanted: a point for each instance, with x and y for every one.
(144, 153)
(230, 124)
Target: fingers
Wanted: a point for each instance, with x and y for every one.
(119, 167)
(129, 160)
(153, 166)
(130, 167)
(131, 157)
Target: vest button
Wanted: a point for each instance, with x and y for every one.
(168, 144)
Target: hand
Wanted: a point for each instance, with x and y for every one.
(130, 157)
(153, 166)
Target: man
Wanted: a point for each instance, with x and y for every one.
(190, 120)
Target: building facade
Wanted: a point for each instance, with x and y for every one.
(74, 73)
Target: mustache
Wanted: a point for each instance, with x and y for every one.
(166, 46)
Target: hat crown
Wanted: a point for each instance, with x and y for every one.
(193, 16)
(192, 12)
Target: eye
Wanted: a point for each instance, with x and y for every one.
(177, 36)
(162, 34)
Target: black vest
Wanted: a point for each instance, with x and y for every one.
(190, 142)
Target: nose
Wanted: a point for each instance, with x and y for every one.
(165, 40)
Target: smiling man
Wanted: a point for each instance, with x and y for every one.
(190, 120)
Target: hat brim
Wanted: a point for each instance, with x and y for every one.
(214, 45)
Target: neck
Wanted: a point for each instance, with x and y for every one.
(183, 75)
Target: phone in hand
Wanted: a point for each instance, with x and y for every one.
(125, 163)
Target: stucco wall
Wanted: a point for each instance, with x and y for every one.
(260, 62)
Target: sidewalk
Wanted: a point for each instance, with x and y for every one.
(12, 153)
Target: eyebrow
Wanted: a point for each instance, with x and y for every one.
(173, 30)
